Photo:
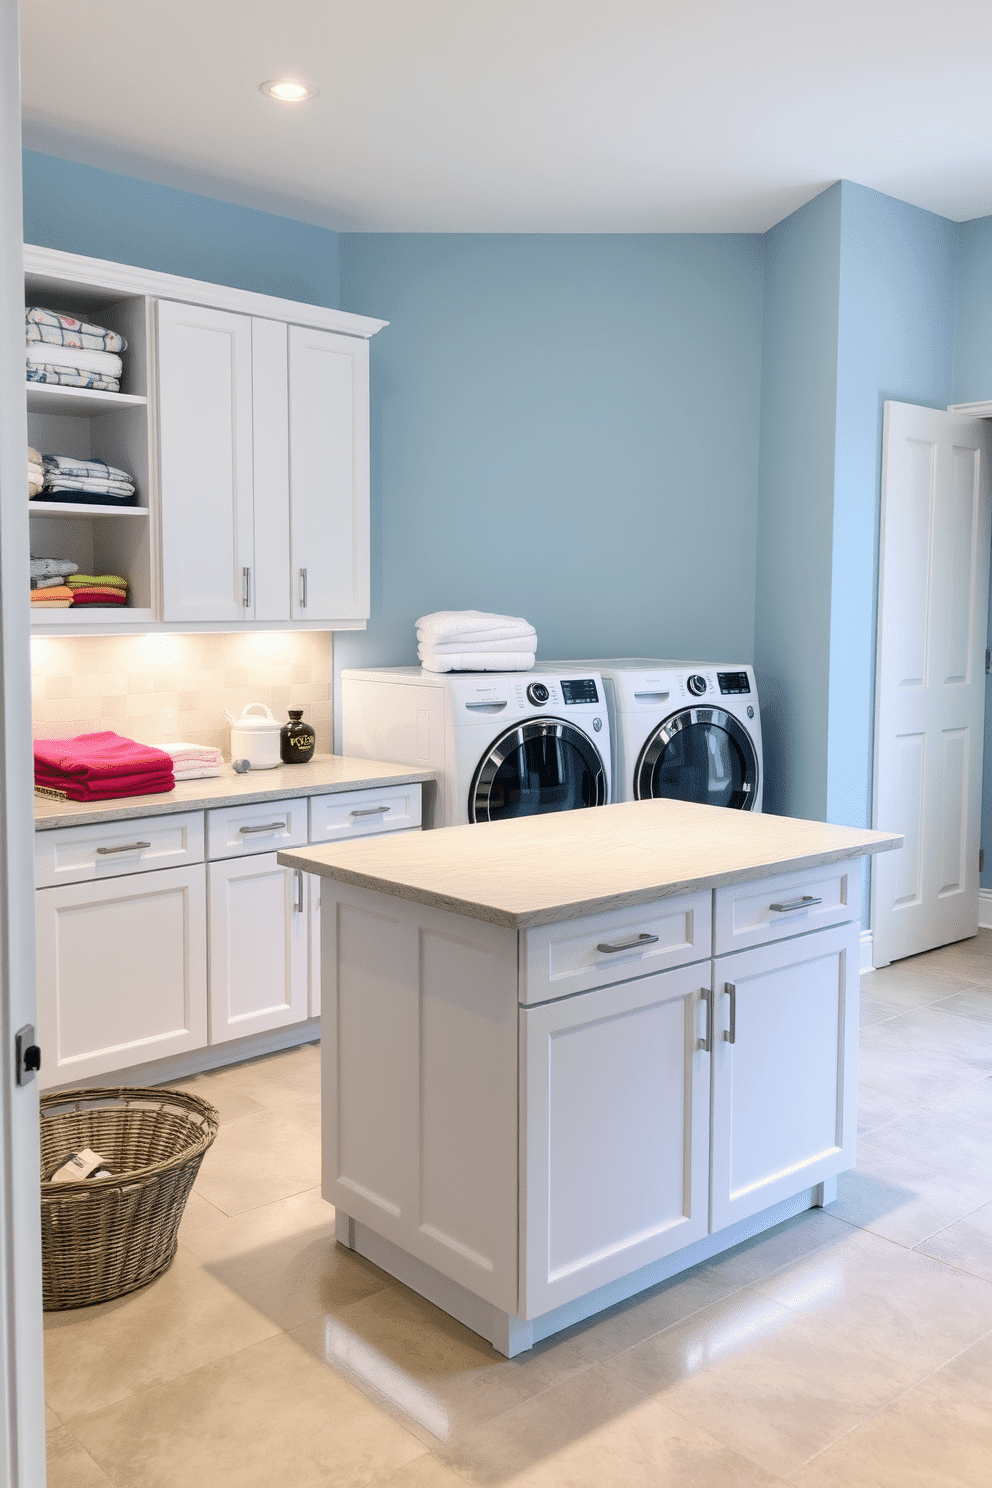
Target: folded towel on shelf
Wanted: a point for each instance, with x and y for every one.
(98, 487)
(86, 498)
(66, 465)
(98, 597)
(63, 330)
(103, 581)
(197, 772)
(121, 785)
(455, 648)
(103, 363)
(54, 582)
(99, 755)
(44, 568)
(67, 377)
(193, 754)
(472, 625)
(52, 604)
(36, 472)
(52, 595)
(477, 661)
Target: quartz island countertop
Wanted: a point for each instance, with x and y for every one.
(537, 870)
(326, 774)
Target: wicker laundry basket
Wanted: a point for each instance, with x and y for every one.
(103, 1237)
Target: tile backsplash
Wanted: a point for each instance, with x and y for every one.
(132, 684)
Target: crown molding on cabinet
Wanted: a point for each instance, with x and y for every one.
(976, 410)
(104, 275)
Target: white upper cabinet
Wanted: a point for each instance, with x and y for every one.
(329, 475)
(205, 462)
(245, 421)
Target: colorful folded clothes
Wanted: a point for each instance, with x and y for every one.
(65, 377)
(97, 767)
(62, 330)
(97, 589)
(77, 580)
(98, 596)
(52, 595)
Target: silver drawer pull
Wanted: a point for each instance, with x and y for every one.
(128, 847)
(279, 826)
(791, 904)
(706, 1042)
(730, 1034)
(626, 945)
(371, 811)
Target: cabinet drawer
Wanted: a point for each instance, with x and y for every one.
(362, 813)
(766, 909)
(110, 849)
(264, 826)
(557, 960)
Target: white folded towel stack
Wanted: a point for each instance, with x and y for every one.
(194, 761)
(475, 641)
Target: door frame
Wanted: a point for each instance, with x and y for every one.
(22, 1420)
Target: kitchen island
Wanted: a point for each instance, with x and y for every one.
(567, 1056)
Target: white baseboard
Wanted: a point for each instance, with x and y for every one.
(985, 909)
(866, 949)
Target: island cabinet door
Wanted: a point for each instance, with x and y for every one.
(614, 1132)
(785, 1069)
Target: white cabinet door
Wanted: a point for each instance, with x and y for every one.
(615, 1133)
(329, 475)
(270, 447)
(205, 462)
(121, 972)
(257, 946)
(785, 1070)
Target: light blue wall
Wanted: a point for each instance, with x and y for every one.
(99, 213)
(795, 510)
(566, 428)
(895, 342)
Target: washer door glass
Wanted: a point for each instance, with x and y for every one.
(538, 766)
(702, 755)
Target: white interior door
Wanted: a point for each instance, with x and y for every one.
(930, 677)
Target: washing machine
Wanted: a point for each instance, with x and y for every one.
(503, 744)
(687, 730)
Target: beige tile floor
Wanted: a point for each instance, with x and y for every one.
(851, 1346)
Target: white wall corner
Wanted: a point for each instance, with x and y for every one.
(866, 948)
(985, 909)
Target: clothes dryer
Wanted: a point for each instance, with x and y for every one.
(503, 744)
(686, 730)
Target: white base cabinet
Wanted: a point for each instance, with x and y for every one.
(650, 1112)
(257, 981)
(121, 972)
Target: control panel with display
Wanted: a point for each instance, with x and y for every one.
(579, 690)
(733, 682)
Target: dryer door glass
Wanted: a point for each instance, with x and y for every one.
(538, 766)
(702, 755)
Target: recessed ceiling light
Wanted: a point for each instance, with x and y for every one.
(286, 91)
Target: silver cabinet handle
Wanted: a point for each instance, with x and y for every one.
(128, 847)
(303, 588)
(730, 1034)
(299, 890)
(791, 904)
(706, 1042)
(246, 597)
(626, 945)
(370, 811)
(279, 826)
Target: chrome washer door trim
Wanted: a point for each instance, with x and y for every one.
(658, 741)
(514, 738)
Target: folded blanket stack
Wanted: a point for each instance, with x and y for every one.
(85, 482)
(100, 767)
(36, 472)
(63, 350)
(475, 641)
(97, 589)
(48, 582)
(194, 761)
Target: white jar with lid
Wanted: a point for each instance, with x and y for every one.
(255, 737)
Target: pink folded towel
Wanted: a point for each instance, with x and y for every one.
(102, 756)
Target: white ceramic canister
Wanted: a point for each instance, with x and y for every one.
(255, 737)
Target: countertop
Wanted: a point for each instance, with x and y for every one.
(325, 775)
(540, 869)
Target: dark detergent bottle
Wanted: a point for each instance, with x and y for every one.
(296, 740)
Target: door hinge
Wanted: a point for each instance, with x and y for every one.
(981, 859)
(27, 1055)
(988, 659)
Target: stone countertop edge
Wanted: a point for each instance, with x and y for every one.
(315, 860)
(326, 774)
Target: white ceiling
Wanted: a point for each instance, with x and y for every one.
(522, 115)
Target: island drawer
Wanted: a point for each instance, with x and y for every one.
(767, 909)
(614, 946)
(362, 813)
(264, 826)
(99, 850)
